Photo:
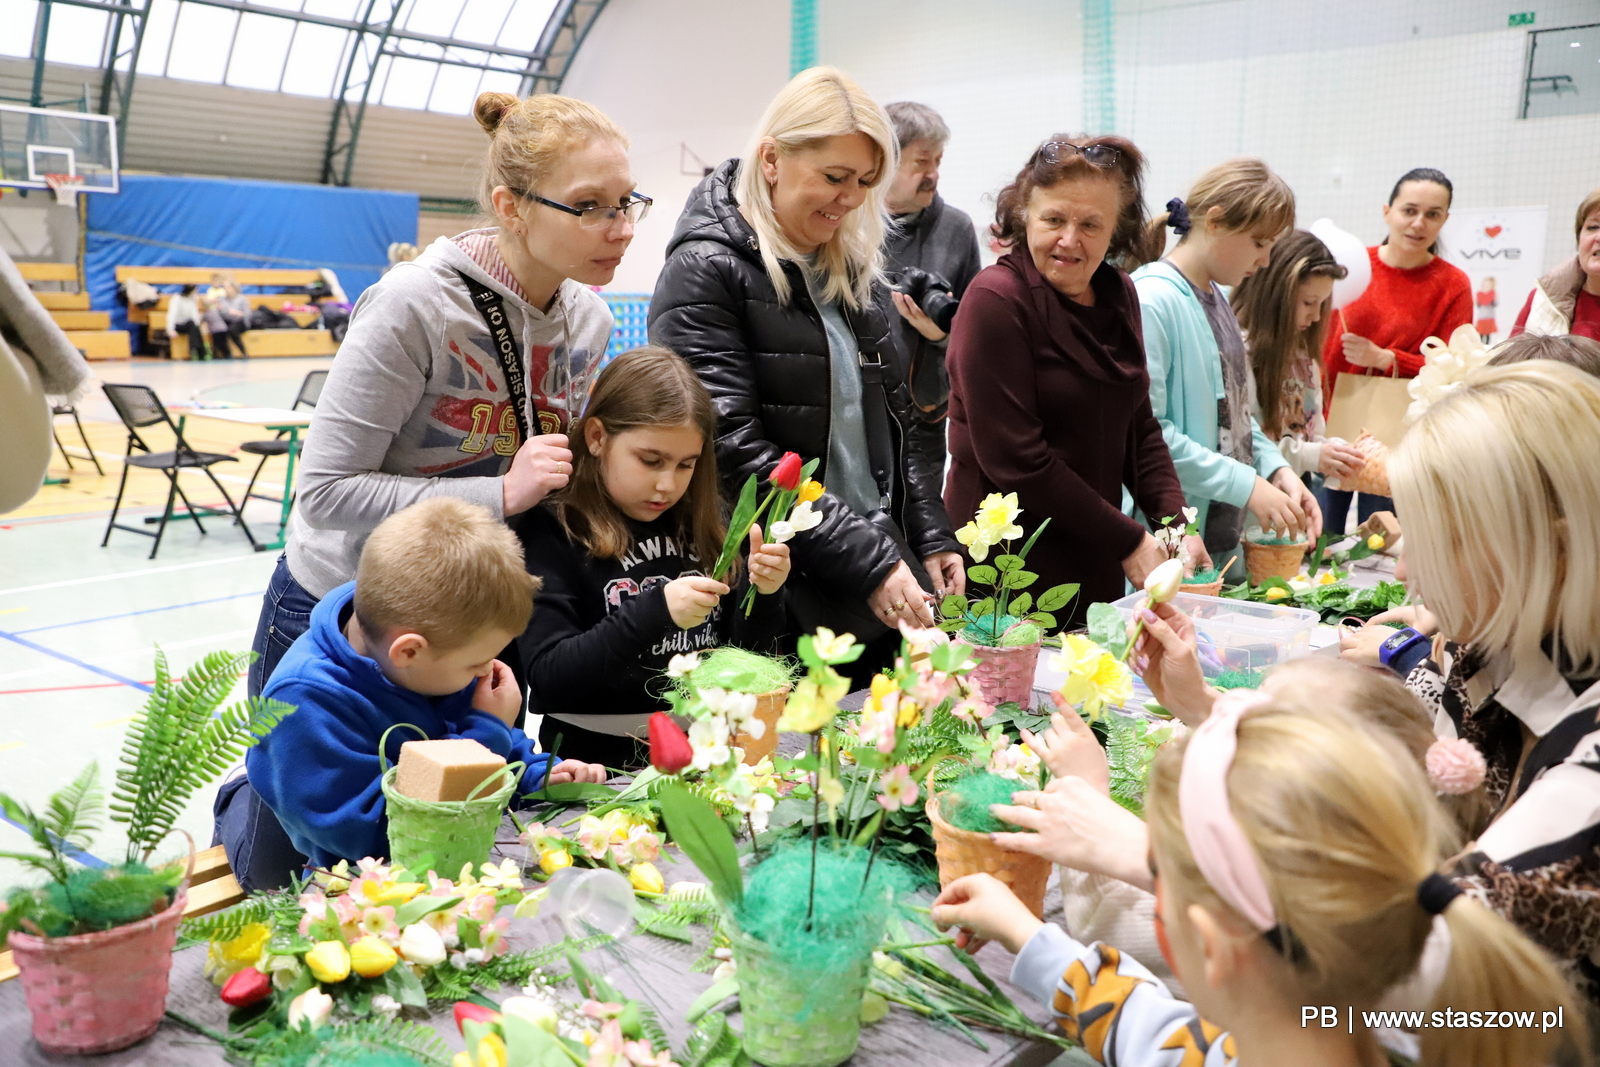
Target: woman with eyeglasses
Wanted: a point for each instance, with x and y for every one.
(463, 368)
(773, 291)
(1049, 395)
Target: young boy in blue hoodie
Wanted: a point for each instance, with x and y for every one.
(439, 591)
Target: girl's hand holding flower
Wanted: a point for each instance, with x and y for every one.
(692, 598)
(769, 563)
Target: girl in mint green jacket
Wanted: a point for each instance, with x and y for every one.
(1200, 382)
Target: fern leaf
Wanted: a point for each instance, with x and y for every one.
(229, 923)
(74, 811)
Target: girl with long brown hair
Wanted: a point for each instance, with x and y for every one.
(622, 551)
(1283, 310)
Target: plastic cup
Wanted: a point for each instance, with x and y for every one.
(592, 900)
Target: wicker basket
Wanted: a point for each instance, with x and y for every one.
(1207, 589)
(964, 852)
(99, 992)
(769, 706)
(1273, 561)
(1005, 675)
(794, 1019)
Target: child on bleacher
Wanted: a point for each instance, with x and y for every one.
(183, 316)
(1295, 859)
(622, 552)
(440, 590)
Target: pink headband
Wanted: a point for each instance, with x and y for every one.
(1220, 848)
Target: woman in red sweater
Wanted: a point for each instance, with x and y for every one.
(1414, 295)
(1049, 395)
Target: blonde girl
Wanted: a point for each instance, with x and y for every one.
(1199, 369)
(1296, 861)
(773, 291)
(419, 403)
(624, 552)
(1283, 310)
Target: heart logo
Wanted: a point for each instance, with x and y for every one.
(1493, 231)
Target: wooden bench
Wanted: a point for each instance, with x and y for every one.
(88, 330)
(257, 300)
(212, 888)
(257, 343)
(50, 272)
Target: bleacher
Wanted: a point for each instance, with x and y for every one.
(288, 285)
(87, 329)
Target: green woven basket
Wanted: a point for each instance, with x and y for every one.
(798, 1020)
(444, 835)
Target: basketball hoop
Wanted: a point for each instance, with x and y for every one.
(66, 186)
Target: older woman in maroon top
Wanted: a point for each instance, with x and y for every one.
(1049, 395)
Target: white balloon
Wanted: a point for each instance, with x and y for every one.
(1351, 253)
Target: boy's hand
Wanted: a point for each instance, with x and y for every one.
(1069, 748)
(692, 598)
(769, 564)
(498, 694)
(986, 910)
(571, 770)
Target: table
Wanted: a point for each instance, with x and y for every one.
(653, 969)
(279, 420)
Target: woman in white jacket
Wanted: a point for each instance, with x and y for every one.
(462, 368)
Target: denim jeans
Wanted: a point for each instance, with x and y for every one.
(258, 847)
(285, 615)
(1336, 508)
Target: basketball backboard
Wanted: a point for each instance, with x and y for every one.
(36, 141)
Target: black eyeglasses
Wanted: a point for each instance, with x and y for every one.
(1099, 155)
(634, 208)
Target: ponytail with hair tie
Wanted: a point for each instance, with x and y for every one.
(1178, 216)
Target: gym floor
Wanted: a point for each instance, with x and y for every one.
(79, 624)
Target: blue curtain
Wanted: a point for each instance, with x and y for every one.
(225, 223)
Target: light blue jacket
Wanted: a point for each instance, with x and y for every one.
(1185, 385)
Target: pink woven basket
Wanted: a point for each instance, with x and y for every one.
(1006, 674)
(98, 992)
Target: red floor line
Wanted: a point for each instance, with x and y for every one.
(65, 688)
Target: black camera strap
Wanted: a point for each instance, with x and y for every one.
(506, 347)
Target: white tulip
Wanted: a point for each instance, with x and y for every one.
(313, 1007)
(422, 945)
(1162, 583)
(537, 1012)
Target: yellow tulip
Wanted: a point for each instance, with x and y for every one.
(909, 715)
(491, 1051)
(810, 490)
(552, 860)
(371, 957)
(329, 961)
(1375, 542)
(461, 1060)
(645, 878)
(1277, 593)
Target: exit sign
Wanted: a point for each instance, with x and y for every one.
(1521, 18)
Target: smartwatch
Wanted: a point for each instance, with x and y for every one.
(1398, 644)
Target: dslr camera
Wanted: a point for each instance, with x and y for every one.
(930, 292)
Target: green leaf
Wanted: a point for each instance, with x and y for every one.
(714, 995)
(1020, 605)
(983, 574)
(573, 791)
(1028, 545)
(952, 606)
(1058, 596)
(1043, 618)
(744, 512)
(403, 985)
(983, 607)
(1020, 579)
(1008, 563)
(72, 813)
(1315, 562)
(417, 907)
(1107, 628)
(704, 838)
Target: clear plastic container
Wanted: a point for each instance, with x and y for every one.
(592, 900)
(1239, 635)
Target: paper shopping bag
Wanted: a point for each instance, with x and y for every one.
(1370, 403)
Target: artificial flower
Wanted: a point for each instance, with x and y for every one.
(832, 793)
(225, 959)
(491, 1051)
(811, 490)
(709, 739)
(972, 537)
(641, 1054)
(245, 988)
(814, 703)
(506, 876)
(371, 957)
(329, 961)
(781, 532)
(830, 647)
(680, 666)
(641, 846)
(1095, 678)
(311, 1008)
(607, 1049)
(538, 1012)
(1191, 516)
(465, 1011)
(1278, 592)
(876, 728)
(786, 475)
(284, 970)
(1015, 761)
(1375, 542)
(552, 860)
(528, 906)
(804, 517)
(897, 789)
(385, 1005)
(670, 750)
(727, 967)
(1162, 583)
(379, 922)
(421, 944)
(645, 878)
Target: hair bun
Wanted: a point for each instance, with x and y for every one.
(491, 109)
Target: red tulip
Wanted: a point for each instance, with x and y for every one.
(246, 988)
(786, 475)
(466, 1012)
(670, 751)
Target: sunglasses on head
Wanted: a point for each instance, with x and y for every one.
(1099, 155)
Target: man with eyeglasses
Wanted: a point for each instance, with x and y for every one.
(931, 254)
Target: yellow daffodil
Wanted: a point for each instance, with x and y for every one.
(882, 687)
(1326, 578)
(1095, 678)
(391, 893)
(814, 704)
(973, 538)
(645, 878)
(224, 959)
(371, 957)
(810, 490)
(831, 647)
(997, 517)
(329, 961)
(552, 860)
(1375, 542)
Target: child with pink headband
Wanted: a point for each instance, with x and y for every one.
(1295, 861)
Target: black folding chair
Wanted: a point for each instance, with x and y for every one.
(139, 408)
(68, 409)
(310, 393)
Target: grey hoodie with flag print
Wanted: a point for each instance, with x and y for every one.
(416, 403)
